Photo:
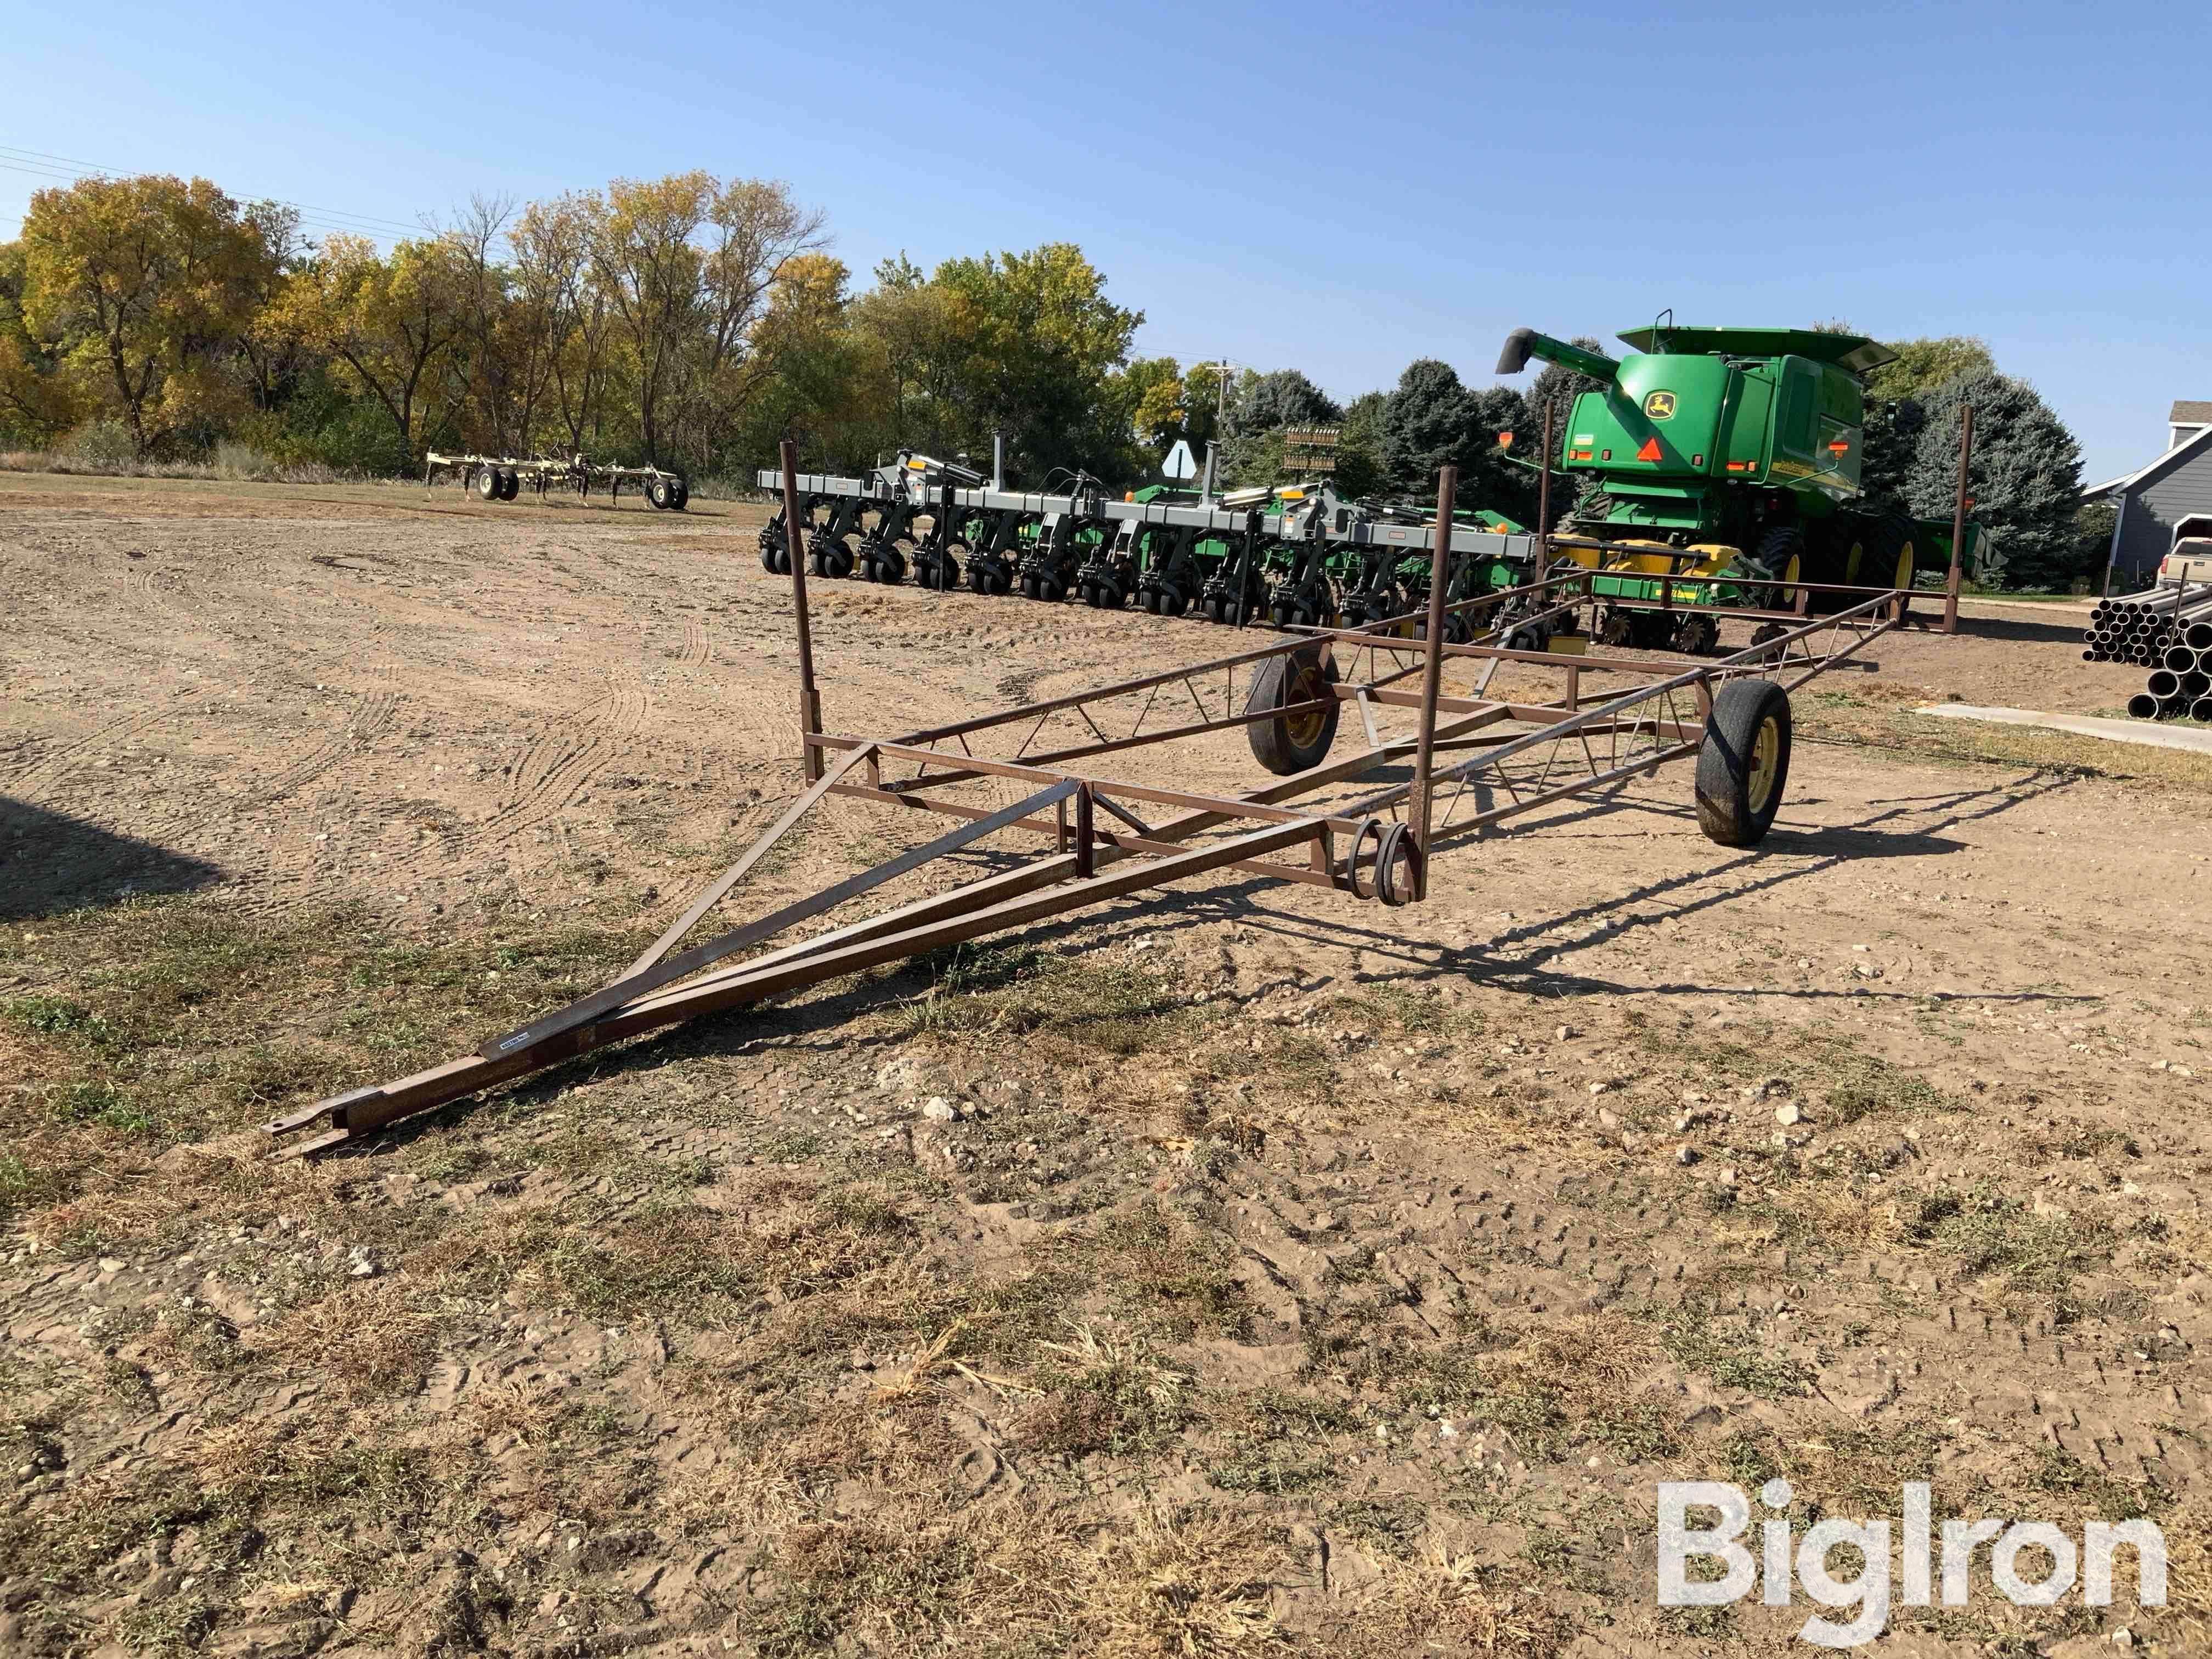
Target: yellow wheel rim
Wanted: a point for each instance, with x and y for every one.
(1904, 577)
(1766, 757)
(1852, 563)
(1304, 730)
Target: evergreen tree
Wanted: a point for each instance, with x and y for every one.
(1260, 406)
(1359, 469)
(1433, 420)
(2025, 476)
(1558, 385)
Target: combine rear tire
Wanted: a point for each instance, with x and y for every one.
(1293, 743)
(1892, 553)
(1743, 763)
(1782, 554)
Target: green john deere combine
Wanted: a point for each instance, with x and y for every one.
(1726, 453)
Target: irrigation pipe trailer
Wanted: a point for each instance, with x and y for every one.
(1457, 765)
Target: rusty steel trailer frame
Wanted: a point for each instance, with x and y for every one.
(1104, 847)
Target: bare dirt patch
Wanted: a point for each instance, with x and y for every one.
(1289, 1272)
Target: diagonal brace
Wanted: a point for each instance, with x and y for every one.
(676, 967)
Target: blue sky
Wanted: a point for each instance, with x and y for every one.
(1333, 188)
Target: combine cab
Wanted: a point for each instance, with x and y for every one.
(1725, 452)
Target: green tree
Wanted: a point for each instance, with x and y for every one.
(1556, 386)
(2025, 478)
(1433, 420)
(1923, 365)
(1039, 344)
(1359, 469)
(144, 285)
(1260, 407)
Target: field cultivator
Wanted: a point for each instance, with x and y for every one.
(503, 477)
(1424, 770)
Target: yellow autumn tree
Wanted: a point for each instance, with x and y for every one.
(144, 286)
(388, 321)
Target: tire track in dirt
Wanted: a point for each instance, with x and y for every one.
(367, 722)
(560, 759)
(115, 732)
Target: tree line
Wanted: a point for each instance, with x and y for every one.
(692, 321)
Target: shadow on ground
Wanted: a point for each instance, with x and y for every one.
(50, 861)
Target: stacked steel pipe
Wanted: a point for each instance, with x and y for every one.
(2167, 630)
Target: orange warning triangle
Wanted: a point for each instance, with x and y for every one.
(1649, 452)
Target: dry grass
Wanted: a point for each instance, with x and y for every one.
(365, 1337)
(1452, 1595)
(1877, 714)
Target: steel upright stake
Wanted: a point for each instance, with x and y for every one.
(810, 700)
(1959, 519)
(1432, 670)
(1544, 504)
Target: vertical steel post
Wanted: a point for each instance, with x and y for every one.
(810, 700)
(1544, 503)
(1206, 489)
(998, 457)
(1959, 519)
(1432, 670)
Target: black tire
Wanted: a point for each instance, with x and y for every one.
(1743, 764)
(657, 492)
(487, 484)
(510, 483)
(1297, 742)
(1893, 555)
(1782, 554)
(680, 495)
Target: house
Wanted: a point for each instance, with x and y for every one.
(2153, 499)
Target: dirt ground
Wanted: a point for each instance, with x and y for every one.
(1237, 1270)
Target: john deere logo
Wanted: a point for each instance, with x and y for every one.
(1660, 405)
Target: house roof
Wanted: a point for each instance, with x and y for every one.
(2190, 412)
(2199, 445)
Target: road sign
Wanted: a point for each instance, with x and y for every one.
(1179, 465)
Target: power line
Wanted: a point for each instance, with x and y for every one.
(42, 164)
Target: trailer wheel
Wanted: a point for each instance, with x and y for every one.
(682, 495)
(510, 484)
(1292, 742)
(1743, 763)
(656, 491)
(487, 483)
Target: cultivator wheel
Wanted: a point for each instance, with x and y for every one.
(990, 577)
(884, 562)
(830, 555)
(774, 551)
(1294, 743)
(487, 484)
(1743, 762)
(939, 569)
